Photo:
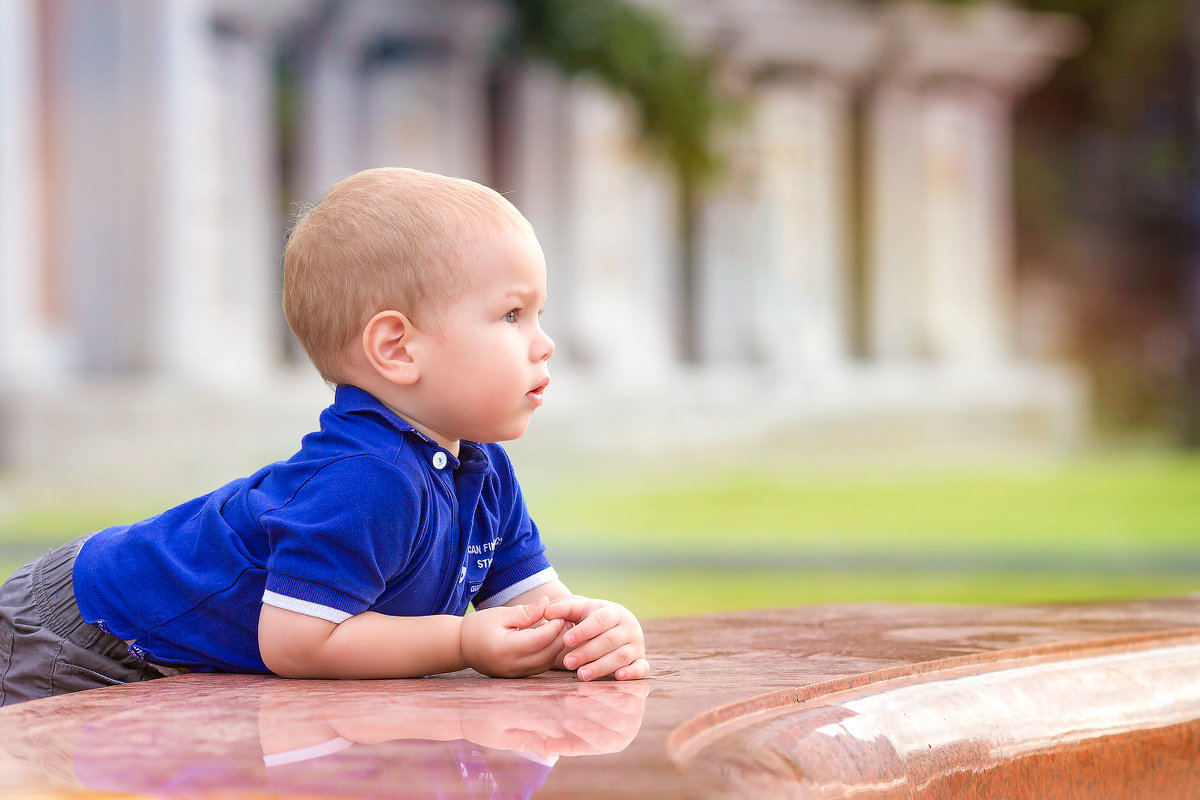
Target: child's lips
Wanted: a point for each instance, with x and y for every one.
(535, 394)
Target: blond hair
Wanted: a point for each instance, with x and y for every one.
(382, 239)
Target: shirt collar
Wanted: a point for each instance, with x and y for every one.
(349, 399)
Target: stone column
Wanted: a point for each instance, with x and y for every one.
(196, 333)
(25, 352)
(968, 257)
(940, 176)
(800, 225)
(327, 129)
(785, 288)
(425, 109)
(622, 237)
(896, 257)
(250, 241)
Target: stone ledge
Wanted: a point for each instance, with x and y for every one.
(602, 739)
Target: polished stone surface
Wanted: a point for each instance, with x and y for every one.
(880, 700)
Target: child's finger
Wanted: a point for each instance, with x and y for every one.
(624, 657)
(533, 650)
(634, 672)
(595, 648)
(542, 637)
(572, 609)
(542, 647)
(533, 612)
(598, 622)
(522, 616)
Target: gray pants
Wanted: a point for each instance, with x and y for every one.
(46, 648)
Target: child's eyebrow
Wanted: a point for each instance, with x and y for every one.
(523, 293)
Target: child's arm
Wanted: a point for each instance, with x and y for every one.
(603, 638)
(500, 642)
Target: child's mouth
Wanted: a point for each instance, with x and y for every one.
(535, 394)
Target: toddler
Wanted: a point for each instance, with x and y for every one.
(418, 297)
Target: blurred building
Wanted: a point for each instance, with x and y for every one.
(854, 261)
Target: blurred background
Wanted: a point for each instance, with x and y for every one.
(854, 301)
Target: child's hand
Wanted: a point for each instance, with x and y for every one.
(604, 639)
(509, 642)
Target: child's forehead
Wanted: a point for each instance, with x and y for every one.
(484, 244)
(507, 262)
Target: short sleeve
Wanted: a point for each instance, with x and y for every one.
(336, 542)
(520, 561)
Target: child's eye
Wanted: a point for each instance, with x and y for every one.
(511, 317)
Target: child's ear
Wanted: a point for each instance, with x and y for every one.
(387, 344)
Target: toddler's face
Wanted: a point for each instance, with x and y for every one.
(485, 370)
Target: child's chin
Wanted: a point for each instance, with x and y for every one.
(515, 432)
(507, 434)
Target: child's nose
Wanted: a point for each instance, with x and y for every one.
(543, 346)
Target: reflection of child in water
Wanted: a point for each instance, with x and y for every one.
(406, 768)
(423, 741)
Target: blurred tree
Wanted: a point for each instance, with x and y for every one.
(1108, 191)
(1115, 138)
(636, 53)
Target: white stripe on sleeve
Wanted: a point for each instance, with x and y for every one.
(334, 615)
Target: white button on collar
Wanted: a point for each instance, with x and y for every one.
(439, 460)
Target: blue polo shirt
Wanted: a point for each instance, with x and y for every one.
(369, 515)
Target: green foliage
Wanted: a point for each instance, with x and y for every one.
(635, 53)
(1108, 160)
(1133, 44)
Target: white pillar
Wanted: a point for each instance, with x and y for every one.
(25, 355)
(192, 333)
(896, 256)
(967, 254)
(399, 85)
(940, 258)
(732, 280)
(249, 241)
(940, 254)
(425, 112)
(800, 220)
(624, 310)
(786, 286)
(327, 128)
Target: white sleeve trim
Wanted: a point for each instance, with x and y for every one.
(335, 745)
(334, 615)
(520, 587)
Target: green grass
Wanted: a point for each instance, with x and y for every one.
(692, 541)
(1097, 528)
(703, 591)
(1113, 505)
